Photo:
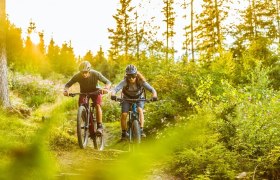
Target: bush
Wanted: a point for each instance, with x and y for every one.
(214, 162)
(33, 89)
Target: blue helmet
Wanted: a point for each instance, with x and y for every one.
(130, 69)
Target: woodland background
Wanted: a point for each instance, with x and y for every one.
(218, 110)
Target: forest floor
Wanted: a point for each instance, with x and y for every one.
(89, 163)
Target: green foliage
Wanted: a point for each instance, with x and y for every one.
(269, 166)
(111, 110)
(34, 90)
(63, 129)
(214, 162)
(23, 152)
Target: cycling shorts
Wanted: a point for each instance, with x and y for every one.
(126, 105)
(96, 99)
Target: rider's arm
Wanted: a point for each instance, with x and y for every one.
(119, 87)
(147, 86)
(69, 84)
(104, 80)
(73, 80)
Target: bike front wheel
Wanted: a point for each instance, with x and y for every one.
(82, 127)
(98, 139)
(136, 134)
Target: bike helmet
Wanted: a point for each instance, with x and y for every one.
(85, 66)
(130, 69)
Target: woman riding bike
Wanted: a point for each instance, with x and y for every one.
(88, 80)
(133, 87)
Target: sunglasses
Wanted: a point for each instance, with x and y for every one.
(84, 72)
(131, 76)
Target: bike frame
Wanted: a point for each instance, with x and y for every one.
(133, 116)
(91, 119)
(90, 123)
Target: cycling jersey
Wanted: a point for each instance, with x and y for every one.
(89, 84)
(134, 91)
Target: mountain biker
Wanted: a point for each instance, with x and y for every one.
(88, 80)
(133, 87)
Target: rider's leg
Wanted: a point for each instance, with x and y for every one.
(141, 119)
(98, 110)
(141, 116)
(123, 126)
(125, 109)
(98, 113)
(123, 120)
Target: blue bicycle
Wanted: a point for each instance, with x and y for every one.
(133, 123)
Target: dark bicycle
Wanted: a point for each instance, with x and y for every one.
(133, 122)
(86, 122)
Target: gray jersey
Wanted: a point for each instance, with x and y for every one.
(89, 84)
(133, 90)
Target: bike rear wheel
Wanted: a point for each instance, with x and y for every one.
(82, 127)
(98, 139)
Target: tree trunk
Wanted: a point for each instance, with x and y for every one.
(217, 23)
(278, 23)
(4, 91)
(167, 29)
(192, 33)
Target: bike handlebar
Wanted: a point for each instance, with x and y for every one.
(97, 92)
(133, 100)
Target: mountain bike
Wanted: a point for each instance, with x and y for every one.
(86, 121)
(133, 122)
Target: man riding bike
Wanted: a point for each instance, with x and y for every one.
(88, 80)
(133, 88)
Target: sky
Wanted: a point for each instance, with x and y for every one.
(83, 22)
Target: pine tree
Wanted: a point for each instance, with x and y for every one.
(188, 44)
(41, 45)
(258, 22)
(210, 33)
(122, 37)
(66, 61)
(169, 32)
(53, 55)
(89, 57)
(14, 46)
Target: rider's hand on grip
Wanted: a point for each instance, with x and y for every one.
(65, 93)
(114, 98)
(154, 99)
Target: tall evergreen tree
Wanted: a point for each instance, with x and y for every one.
(89, 57)
(53, 55)
(122, 39)
(258, 21)
(210, 33)
(4, 90)
(67, 62)
(169, 32)
(14, 44)
(188, 44)
(41, 45)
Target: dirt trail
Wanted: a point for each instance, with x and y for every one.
(93, 164)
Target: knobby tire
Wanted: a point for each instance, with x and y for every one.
(98, 139)
(136, 135)
(82, 129)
